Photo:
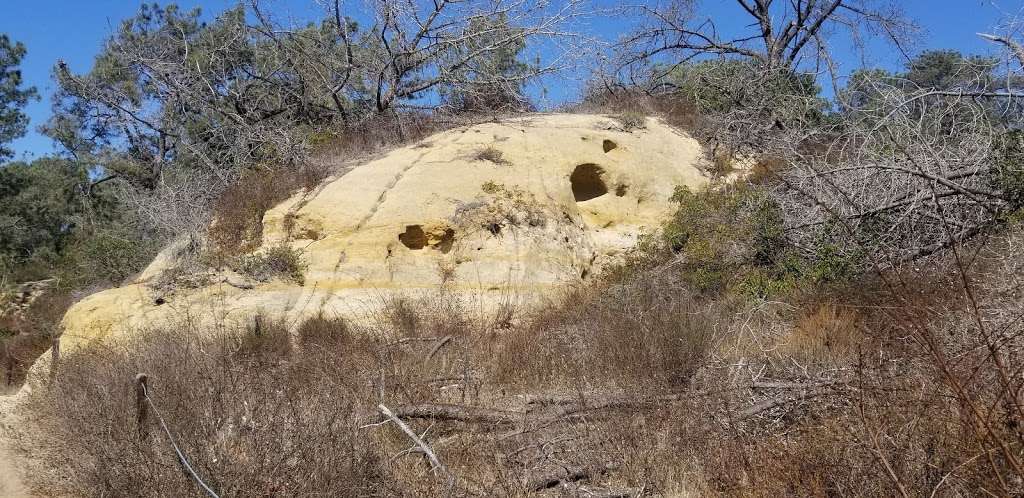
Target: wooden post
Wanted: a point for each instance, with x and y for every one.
(141, 406)
(54, 356)
(9, 364)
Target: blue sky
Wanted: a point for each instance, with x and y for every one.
(74, 30)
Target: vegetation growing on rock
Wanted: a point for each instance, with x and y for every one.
(830, 307)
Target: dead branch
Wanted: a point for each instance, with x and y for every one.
(434, 461)
(792, 385)
(442, 343)
(545, 480)
(1016, 48)
(456, 413)
(776, 36)
(770, 403)
(589, 492)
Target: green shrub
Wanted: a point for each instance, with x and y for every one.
(724, 86)
(732, 240)
(1008, 171)
(718, 234)
(327, 333)
(280, 261)
(107, 257)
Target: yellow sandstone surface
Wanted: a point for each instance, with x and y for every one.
(507, 210)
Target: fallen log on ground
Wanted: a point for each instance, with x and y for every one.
(544, 480)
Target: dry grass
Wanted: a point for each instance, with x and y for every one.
(375, 134)
(27, 335)
(641, 384)
(254, 416)
(491, 154)
(631, 109)
(237, 226)
(766, 169)
(631, 121)
(829, 333)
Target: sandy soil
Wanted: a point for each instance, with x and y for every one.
(11, 485)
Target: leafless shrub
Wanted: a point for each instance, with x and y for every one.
(237, 214)
(228, 409)
(675, 110)
(631, 121)
(491, 154)
(634, 383)
(27, 334)
(910, 183)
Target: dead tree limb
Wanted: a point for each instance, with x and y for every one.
(770, 403)
(434, 461)
(542, 481)
(1016, 48)
(433, 351)
(455, 413)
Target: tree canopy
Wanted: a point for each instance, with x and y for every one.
(13, 94)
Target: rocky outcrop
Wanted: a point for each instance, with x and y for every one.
(513, 209)
(19, 298)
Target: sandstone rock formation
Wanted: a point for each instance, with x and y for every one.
(507, 210)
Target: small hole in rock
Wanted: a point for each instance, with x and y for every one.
(621, 190)
(494, 228)
(609, 146)
(587, 182)
(159, 301)
(413, 237)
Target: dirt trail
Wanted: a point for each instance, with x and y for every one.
(10, 481)
(11, 485)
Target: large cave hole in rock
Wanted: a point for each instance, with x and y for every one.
(413, 237)
(416, 238)
(587, 182)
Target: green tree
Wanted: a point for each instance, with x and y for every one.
(57, 222)
(722, 86)
(494, 80)
(872, 94)
(950, 69)
(40, 205)
(945, 70)
(170, 91)
(13, 96)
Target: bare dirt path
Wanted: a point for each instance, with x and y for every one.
(10, 480)
(11, 485)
